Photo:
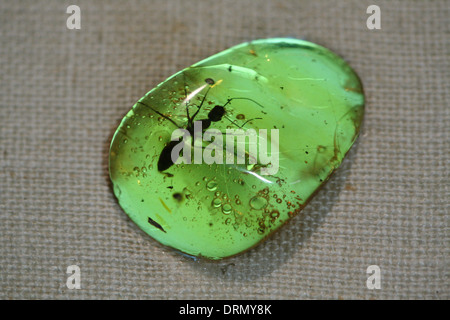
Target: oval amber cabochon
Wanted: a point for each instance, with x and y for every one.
(292, 108)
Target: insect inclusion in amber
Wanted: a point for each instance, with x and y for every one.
(309, 94)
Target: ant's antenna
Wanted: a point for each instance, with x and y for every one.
(242, 98)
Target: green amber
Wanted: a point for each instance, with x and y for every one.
(305, 91)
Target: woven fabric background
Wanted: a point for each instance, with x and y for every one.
(63, 93)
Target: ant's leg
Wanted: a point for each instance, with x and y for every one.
(185, 98)
(240, 126)
(162, 115)
(201, 104)
(250, 120)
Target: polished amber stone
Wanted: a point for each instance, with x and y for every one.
(307, 93)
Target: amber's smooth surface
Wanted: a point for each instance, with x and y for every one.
(308, 93)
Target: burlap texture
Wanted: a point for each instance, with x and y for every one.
(63, 93)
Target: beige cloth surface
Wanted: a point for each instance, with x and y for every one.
(63, 93)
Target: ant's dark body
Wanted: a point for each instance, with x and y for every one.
(216, 114)
(165, 158)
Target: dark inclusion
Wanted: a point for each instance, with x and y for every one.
(178, 196)
(155, 224)
(293, 45)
